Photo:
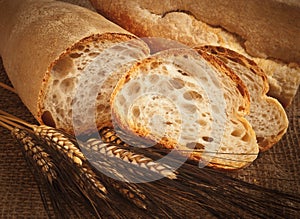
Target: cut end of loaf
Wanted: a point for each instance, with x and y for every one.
(74, 75)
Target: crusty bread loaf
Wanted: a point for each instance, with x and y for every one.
(46, 45)
(270, 37)
(267, 116)
(189, 102)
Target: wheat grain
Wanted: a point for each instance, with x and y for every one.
(35, 152)
(139, 160)
(109, 135)
(59, 142)
(62, 143)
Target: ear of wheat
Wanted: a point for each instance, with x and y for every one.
(43, 144)
(196, 192)
(209, 190)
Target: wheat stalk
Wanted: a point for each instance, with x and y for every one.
(36, 153)
(112, 150)
(195, 191)
(73, 161)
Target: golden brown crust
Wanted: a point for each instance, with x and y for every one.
(34, 33)
(240, 59)
(227, 71)
(203, 22)
(265, 141)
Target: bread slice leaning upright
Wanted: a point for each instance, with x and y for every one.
(182, 101)
(267, 116)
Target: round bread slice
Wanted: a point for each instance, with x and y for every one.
(190, 103)
(267, 116)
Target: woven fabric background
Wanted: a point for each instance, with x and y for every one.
(278, 168)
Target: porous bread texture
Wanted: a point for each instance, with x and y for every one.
(91, 67)
(182, 101)
(267, 116)
(168, 20)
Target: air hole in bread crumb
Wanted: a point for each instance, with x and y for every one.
(154, 65)
(223, 59)
(48, 119)
(233, 122)
(136, 112)
(237, 133)
(205, 114)
(75, 55)
(260, 140)
(241, 108)
(246, 138)
(182, 73)
(93, 54)
(202, 122)
(80, 47)
(67, 85)
(62, 67)
(153, 79)
(134, 88)
(195, 145)
(190, 108)
(207, 139)
(122, 100)
(177, 83)
(100, 108)
(192, 95)
(69, 113)
(55, 82)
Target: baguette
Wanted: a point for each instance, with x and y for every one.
(187, 102)
(46, 46)
(250, 29)
(267, 116)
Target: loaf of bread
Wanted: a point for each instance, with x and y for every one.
(267, 116)
(47, 46)
(187, 102)
(265, 31)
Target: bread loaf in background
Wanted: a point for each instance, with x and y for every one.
(45, 46)
(265, 31)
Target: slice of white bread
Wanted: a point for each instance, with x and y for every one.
(189, 102)
(269, 37)
(46, 46)
(267, 116)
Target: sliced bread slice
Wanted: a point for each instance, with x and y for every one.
(267, 116)
(187, 102)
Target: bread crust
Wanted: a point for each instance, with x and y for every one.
(256, 30)
(257, 24)
(259, 101)
(35, 33)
